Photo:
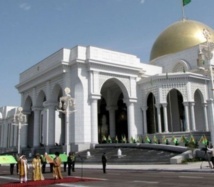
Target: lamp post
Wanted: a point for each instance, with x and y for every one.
(19, 119)
(65, 104)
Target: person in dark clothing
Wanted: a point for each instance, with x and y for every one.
(11, 168)
(104, 161)
(51, 167)
(43, 162)
(17, 159)
(65, 164)
(73, 158)
(13, 164)
(69, 162)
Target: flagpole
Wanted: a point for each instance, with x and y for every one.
(182, 7)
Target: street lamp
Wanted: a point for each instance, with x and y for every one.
(66, 102)
(19, 119)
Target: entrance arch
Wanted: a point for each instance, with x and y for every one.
(112, 110)
(175, 110)
(152, 125)
(198, 109)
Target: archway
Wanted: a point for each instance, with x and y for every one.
(152, 126)
(175, 111)
(103, 120)
(198, 109)
(121, 119)
(112, 110)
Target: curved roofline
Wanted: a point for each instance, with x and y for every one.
(178, 36)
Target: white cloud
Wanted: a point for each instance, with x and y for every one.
(142, 1)
(25, 6)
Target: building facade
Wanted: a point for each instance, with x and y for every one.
(117, 95)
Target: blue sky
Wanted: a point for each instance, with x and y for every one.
(31, 30)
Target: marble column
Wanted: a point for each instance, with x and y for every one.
(50, 129)
(192, 104)
(94, 122)
(37, 112)
(205, 117)
(165, 117)
(2, 134)
(144, 108)
(186, 108)
(111, 110)
(132, 131)
(159, 118)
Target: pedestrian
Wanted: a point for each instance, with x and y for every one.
(211, 150)
(73, 159)
(43, 161)
(104, 161)
(23, 168)
(37, 171)
(12, 165)
(51, 166)
(11, 168)
(17, 165)
(57, 167)
(49, 160)
(65, 164)
(69, 161)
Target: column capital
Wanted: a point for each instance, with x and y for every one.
(95, 96)
(26, 112)
(210, 100)
(129, 101)
(186, 103)
(192, 103)
(37, 108)
(50, 104)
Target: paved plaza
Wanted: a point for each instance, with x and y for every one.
(197, 173)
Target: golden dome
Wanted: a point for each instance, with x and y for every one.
(180, 36)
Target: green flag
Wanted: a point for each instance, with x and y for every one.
(185, 2)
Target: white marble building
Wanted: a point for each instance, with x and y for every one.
(116, 94)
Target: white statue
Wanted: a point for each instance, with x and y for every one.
(88, 154)
(119, 153)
